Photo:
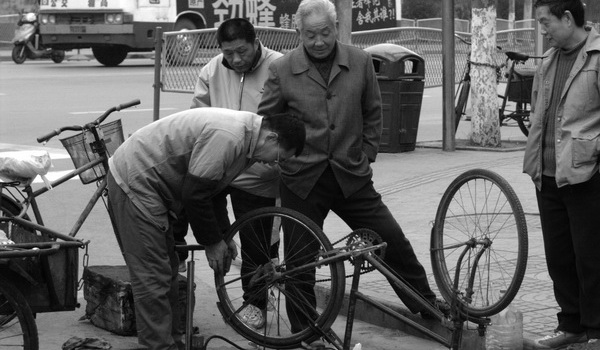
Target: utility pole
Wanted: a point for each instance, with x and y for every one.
(344, 15)
(528, 9)
(448, 129)
(511, 14)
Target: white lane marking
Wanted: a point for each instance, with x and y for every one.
(55, 154)
(54, 175)
(125, 110)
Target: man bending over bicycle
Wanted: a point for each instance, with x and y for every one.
(179, 163)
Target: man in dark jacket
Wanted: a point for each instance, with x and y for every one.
(333, 88)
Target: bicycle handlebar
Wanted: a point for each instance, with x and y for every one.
(115, 109)
(96, 122)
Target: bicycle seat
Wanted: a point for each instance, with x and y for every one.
(517, 56)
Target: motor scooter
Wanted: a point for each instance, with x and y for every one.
(27, 41)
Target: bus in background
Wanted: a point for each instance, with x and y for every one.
(113, 28)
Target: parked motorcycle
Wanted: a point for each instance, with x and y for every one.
(27, 41)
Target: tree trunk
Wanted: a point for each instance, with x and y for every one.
(485, 127)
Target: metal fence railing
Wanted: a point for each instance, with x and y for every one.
(8, 24)
(184, 53)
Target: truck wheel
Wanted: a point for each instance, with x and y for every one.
(182, 49)
(19, 54)
(58, 56)
(110, 56)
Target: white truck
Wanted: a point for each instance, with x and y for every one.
(113, 28)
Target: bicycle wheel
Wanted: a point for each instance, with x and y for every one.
(17, 325)
(461, 101)
(17, 233)
(479, 215)
(524, 123)
(294, 308)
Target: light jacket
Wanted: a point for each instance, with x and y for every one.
(342, 116)
(218, 85)
(577, 132)
(182, 161)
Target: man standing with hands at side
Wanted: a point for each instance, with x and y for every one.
(333, 89)
(562, 159)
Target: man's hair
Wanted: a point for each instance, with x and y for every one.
(236, 28)
(290, 130)
(308, 7)
(558, 8)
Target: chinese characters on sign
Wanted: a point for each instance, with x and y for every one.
(65, 3)
(366, 14)
(196, 4)
(260, 13)
(373, 14)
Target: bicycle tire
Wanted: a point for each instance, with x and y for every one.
(279, 287)
(461, 101)
(17, 325)
(478, 205)
(9, 208)
(524, 124)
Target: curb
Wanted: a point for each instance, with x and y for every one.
(467, 145)
(6, 53)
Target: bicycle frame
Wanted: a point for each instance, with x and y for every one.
(98, 146)
(521, 111)
(360, 255)
(30, 196)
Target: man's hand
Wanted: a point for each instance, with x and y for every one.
(220, 255)
(232, 249)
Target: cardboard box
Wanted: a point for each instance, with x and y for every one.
(110, 305)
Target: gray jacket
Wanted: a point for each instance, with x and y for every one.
(577, 134)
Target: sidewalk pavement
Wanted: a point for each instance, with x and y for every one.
(411, 184)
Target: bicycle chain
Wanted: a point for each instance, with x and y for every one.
(374, 239)
(85, 262)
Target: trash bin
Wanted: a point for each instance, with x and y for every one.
(401, 76)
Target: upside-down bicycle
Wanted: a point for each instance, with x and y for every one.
(39, 272)
(478, 254)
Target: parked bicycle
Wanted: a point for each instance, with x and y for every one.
(514, 103)
(478, 253)
(39, 272)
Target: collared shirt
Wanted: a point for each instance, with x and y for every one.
(577, 119)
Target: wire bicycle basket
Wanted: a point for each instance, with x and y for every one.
(82, 151)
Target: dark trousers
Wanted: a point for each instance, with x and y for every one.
(258, 245)
(363, 209)
(570, 217)
(149, 253)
